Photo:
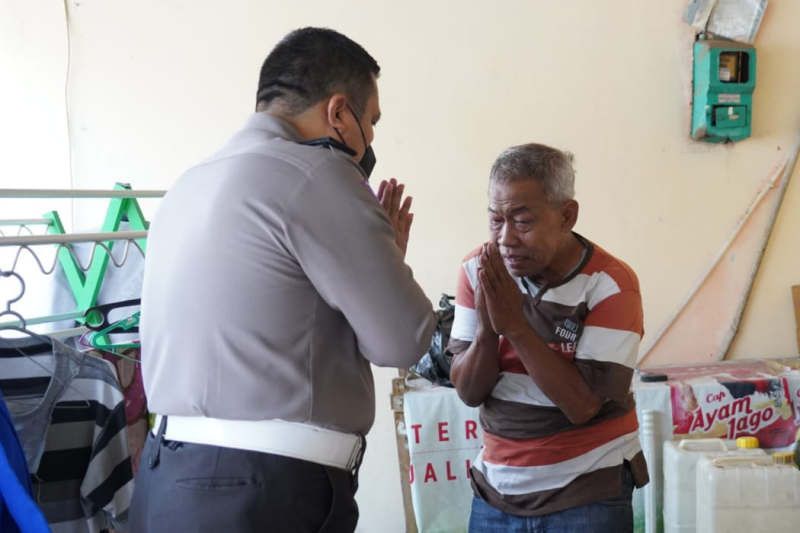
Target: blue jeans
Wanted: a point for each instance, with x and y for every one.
(608, 516)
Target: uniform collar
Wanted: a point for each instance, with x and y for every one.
(275, 126)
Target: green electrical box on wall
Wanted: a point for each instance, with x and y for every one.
(724, 80)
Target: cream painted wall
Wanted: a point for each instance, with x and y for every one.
(157, 85)
(33, 132)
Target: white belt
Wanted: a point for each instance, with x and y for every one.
(290, 439)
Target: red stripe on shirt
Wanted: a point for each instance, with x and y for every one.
(556, 448)
(621, 311)
(622, 274)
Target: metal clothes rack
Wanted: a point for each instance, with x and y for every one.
(120, 191)
(24, 221)
(85, 281)
(69, 238)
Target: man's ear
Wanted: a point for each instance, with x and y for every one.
(337, 105)
(569, 214)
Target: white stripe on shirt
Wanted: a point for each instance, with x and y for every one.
(608, 345)
(571, 293)
(514, 480)
(471, 269)
(465, 322)
(520, 388)
(605, 286)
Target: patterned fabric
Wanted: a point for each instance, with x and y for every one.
(129, 374)
(534, 460)
(69, 413)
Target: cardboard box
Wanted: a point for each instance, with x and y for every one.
(729, 399)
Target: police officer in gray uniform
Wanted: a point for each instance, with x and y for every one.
(274, 276)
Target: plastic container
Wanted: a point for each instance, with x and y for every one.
(783, 458)
(751, 494)
(747, 443)
(680, 463)
(649, 437)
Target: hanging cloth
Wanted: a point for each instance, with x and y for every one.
(18, 512)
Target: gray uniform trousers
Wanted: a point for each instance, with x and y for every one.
(185, 487)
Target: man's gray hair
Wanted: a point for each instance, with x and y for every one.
(551, 167)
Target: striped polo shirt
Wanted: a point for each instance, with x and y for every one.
(534, 461)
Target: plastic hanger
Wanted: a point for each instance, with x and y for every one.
(100, 338)
(96, 319)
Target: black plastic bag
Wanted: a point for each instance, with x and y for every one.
(435, 365)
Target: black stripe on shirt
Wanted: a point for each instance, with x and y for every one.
(112, 424)
(104, 494)
(80, 411)
(24, 386)
(64, 465)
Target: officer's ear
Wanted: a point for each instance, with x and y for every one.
(335, 110)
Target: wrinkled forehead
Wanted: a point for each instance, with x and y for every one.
(508, 197)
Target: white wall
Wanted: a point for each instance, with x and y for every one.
(157, 85)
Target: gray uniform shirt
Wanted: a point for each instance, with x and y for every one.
(271, 281)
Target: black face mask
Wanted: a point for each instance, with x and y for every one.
(330, 142)
(368, 160)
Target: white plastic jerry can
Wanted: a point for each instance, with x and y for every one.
(751, 494)
(680, 477)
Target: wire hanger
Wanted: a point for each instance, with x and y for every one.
(22, 328)
(7, 311)
(129, 243)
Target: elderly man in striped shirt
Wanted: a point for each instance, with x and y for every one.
(545, 337)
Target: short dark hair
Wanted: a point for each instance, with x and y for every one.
(550, 166)
(310, 64)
